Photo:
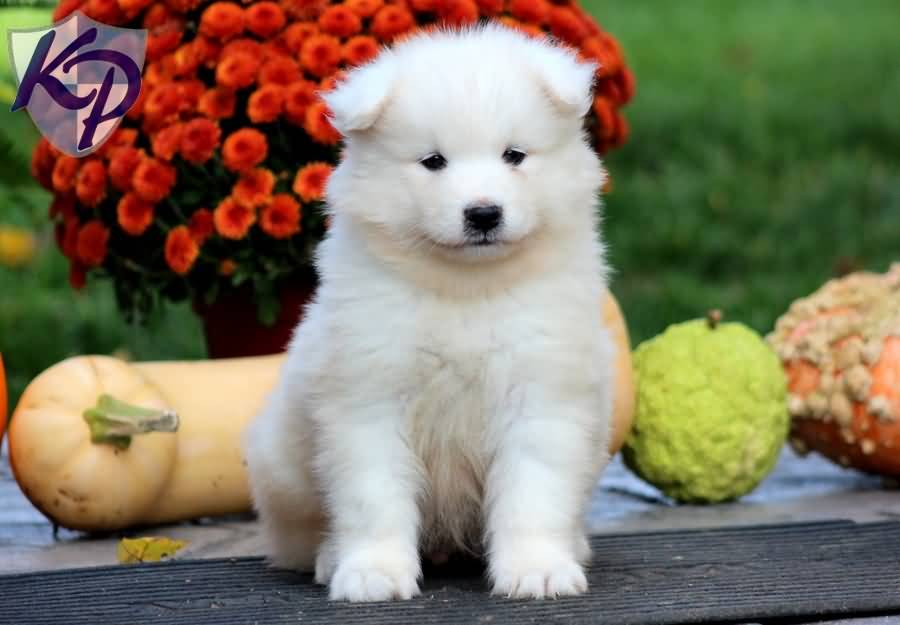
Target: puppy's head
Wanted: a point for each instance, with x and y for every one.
(466, 145)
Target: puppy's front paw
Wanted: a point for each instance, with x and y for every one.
(375, 574)
(536, 571)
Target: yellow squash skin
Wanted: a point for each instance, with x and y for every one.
(161, 477)
(623, 406)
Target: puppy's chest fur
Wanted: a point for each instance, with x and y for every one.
(460, 390)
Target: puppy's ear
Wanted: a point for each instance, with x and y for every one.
(358, 101)
(567, 81)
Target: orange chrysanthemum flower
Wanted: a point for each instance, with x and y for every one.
(92, 241)
(153, 179)
(232, 220)
(244, 149)
(365, 8)
(490, 7)
(163, 41)
(310, 181)
(122, 164)
(217, 103)
(134, 214)
(457, 12)
(328, 84)
(264, 19)
(66, 7)
(163, 101)
(186, 59)
(182, 6)
(62, 206)
(280, 218)
(566, 25)
(276, 48)
(297, 33)
(237, 70)
(340, 20)
(298, 96)
(424, 6)
(304, 10)
(603, 50)
(77, 276)
(122, 137)
(199, 140)
(42, 161)
(321, 54)
(202, 225)
(90, 183)
(254, 188)
(165, 30)
(390, 21)
(69, 244)
(360, 50)
(530, 11)
(279, 71)
(625, 83)
(207, 50)
(265, 104)
(133, 7)
(222, 20)
(317, 124)
(227, 267)
(606, 118)
(64, 171)
(137, 109)
(242, 44)
(166, 141)
(191, 90)
(181, 250)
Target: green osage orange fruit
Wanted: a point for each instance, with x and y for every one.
(711, 415)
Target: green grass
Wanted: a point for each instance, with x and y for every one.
(765, 154)
(764, 158)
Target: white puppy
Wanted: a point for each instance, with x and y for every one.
(450, 386)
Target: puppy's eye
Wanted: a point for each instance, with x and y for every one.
(514, 157)
(434, 162)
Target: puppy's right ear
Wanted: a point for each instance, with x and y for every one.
(358, 100)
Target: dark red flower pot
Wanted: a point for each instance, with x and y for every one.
(233, 330)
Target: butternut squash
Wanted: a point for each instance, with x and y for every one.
(100, 444)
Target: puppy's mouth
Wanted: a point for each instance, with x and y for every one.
(470, 242)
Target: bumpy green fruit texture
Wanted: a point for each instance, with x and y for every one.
(711, 413)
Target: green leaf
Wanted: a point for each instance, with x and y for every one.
(267, 309)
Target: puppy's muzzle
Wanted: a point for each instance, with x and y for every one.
(483, 218)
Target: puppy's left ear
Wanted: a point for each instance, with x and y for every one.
(567, 81)
(358, 101)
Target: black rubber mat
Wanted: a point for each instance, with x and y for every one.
(786, 573)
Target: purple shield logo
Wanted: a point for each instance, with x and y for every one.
(77, 79)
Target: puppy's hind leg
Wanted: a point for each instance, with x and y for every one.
(283, 493)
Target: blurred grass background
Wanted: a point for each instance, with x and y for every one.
(764, 159)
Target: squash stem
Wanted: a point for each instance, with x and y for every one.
(113, 421)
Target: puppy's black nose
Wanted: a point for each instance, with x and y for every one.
(483, 217)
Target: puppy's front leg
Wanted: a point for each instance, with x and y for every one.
(371, 484)
(536, 490)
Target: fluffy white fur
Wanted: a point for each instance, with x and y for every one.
(441, 395)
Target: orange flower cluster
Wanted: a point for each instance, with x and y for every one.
(222, 162)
